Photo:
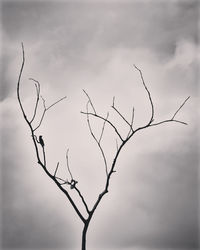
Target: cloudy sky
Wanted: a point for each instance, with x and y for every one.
(73, 45)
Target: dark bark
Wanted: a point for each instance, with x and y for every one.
(84, 235)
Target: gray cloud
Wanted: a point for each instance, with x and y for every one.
(75, 34)
(109, 24)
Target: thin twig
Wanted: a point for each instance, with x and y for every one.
(149, 94)
(98, 143)
(56, 102)
(61, 179)
(46, 109)
(56, 169)
(113, 103)
(117, 144)
(90, 101)
(119, 113)
(44, 155)
(44, 103)
(172, 119)
(104, 123)
(40, 122)
(37, 86)
(72, 179)
(132, 119)
(180, 107)
(18, 84)
(165, 121)
(109, 122)
(67, 160)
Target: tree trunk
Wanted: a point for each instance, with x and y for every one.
(84, 233)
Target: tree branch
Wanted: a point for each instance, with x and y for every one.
(179, 108)
(168, 120)
(46, 109)
(18, 84)
(120, 114)
(131, 126)
(117, 146)
(106, 120)
(130, 134)
(98, 143)
(104, 123)
(165, 121)
(68, 168)
(35, 141)
(73, 183)
(90, 101)
(56, 102)
(44, 155)
(37, 86)
(61, 179)
(56, 170)
(149, 94)
(83, 200)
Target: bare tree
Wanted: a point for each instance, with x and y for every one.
(65, 185)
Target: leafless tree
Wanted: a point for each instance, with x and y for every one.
(65, 185)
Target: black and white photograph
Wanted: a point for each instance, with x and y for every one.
(99, 124)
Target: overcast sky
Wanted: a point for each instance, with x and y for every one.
(73, 45)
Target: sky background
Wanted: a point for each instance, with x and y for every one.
(73, 45)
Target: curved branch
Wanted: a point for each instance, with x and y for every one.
(98, 142)
(37, 86)
(90, 101)
(149, 94)
(18, 84)
(165, 121)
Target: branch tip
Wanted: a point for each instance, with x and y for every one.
(148, 93)
(180, 107)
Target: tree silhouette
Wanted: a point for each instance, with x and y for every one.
(65, 185)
